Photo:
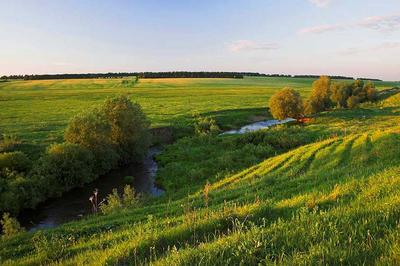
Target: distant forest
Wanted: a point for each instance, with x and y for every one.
(173, 74)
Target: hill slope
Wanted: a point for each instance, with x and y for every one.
(332, 201)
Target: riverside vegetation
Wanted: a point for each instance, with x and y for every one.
(320, 193)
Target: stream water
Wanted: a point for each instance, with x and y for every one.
(258, 126)
(74, 204)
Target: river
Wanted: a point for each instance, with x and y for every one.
(74, 204)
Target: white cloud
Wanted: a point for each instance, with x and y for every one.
(247, 45)
(320, 3)
(385, 24)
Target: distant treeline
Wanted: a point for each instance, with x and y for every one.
(172, 74)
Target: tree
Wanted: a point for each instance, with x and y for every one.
(353, 101)
(340, 93)
(129, 128)
(320, 96)
(69, 165)
(93, 131)
(370, 92)
(286, 103)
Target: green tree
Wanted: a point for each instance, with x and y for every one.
(286, 103)
(340, 93)
(319, 99)
(129, 128)
(371, 94)
(353, 101)
(92, 130)
(69, 165)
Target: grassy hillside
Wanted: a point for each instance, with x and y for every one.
(38, 111)
(330, 198)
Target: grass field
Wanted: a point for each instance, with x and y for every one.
(321, 194)
(38, 111)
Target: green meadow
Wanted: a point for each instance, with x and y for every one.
(38, 111)
(322, 193)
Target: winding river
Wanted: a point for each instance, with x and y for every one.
(75, 204)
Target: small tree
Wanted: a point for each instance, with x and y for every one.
(370, 92)
(10, 226)
(353, 101)
(129, 128)
(320, 96)
(68, 164)
(286, 103)
(340, 93)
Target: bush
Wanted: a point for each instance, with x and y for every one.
(14, 161)
(115, 202)
(8, 142)
(286, 103)
(129, 179)
(68, 164)
(92, 131)
(129, 128)
(206, 126)
(118, 131)
(10, 226)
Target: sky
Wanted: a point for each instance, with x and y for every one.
(359, 38)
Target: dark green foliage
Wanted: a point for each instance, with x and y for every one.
(8, 142)
(353, 101)
(69, 165)
(130, 134)
(92, 131)
(14, 161)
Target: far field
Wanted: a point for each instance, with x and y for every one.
(38, 111)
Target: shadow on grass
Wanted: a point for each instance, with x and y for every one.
(361, 113)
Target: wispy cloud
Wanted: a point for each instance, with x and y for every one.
(373, 48)
(388, 23)
(247, 45)
(320, 3)
(320, 29)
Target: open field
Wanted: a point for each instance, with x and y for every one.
(322, 193)
(330, 199)
(38, 111)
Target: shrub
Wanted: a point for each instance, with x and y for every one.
(206, 126)
(112, 204)
(8, 142)
(68, 164)
(92, 131)
(117, 131)
(129, 128)
(10, 226)
(14, 161)
(115, 202)
(286, 103)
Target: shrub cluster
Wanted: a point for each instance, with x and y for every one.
(96, 141)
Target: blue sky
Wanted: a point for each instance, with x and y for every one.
(339, 37)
